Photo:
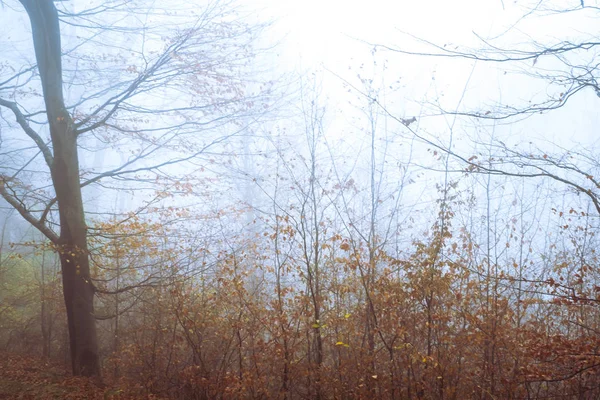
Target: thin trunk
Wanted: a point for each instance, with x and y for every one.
(44, 311)
(116, 342)
(282, 320)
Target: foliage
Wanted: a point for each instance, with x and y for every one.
(321, 281)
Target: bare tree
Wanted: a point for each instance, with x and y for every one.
(166, 91)
(568, 68)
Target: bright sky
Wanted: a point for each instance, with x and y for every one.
(323, 29)
(329, 33)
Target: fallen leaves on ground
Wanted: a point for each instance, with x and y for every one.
(29, 378)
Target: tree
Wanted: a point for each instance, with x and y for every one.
(200, 63)
(566, 67)
(63, 162)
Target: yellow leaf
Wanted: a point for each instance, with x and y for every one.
(347, 315)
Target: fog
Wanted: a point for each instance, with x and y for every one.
(269, 184)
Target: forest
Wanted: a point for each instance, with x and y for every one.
(406, 210)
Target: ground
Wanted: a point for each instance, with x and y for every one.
(29, 378)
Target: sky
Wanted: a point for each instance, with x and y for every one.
(334, 38)
(335, 35)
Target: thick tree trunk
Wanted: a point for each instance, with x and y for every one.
(72, 243)
(77, 285)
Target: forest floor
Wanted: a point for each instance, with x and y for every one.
(29, 378)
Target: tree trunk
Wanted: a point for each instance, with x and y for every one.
(46, 339)
(72, 243)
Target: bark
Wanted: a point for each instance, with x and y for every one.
(72, 241)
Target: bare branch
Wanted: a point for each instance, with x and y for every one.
(20, 207)
(29, 131)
